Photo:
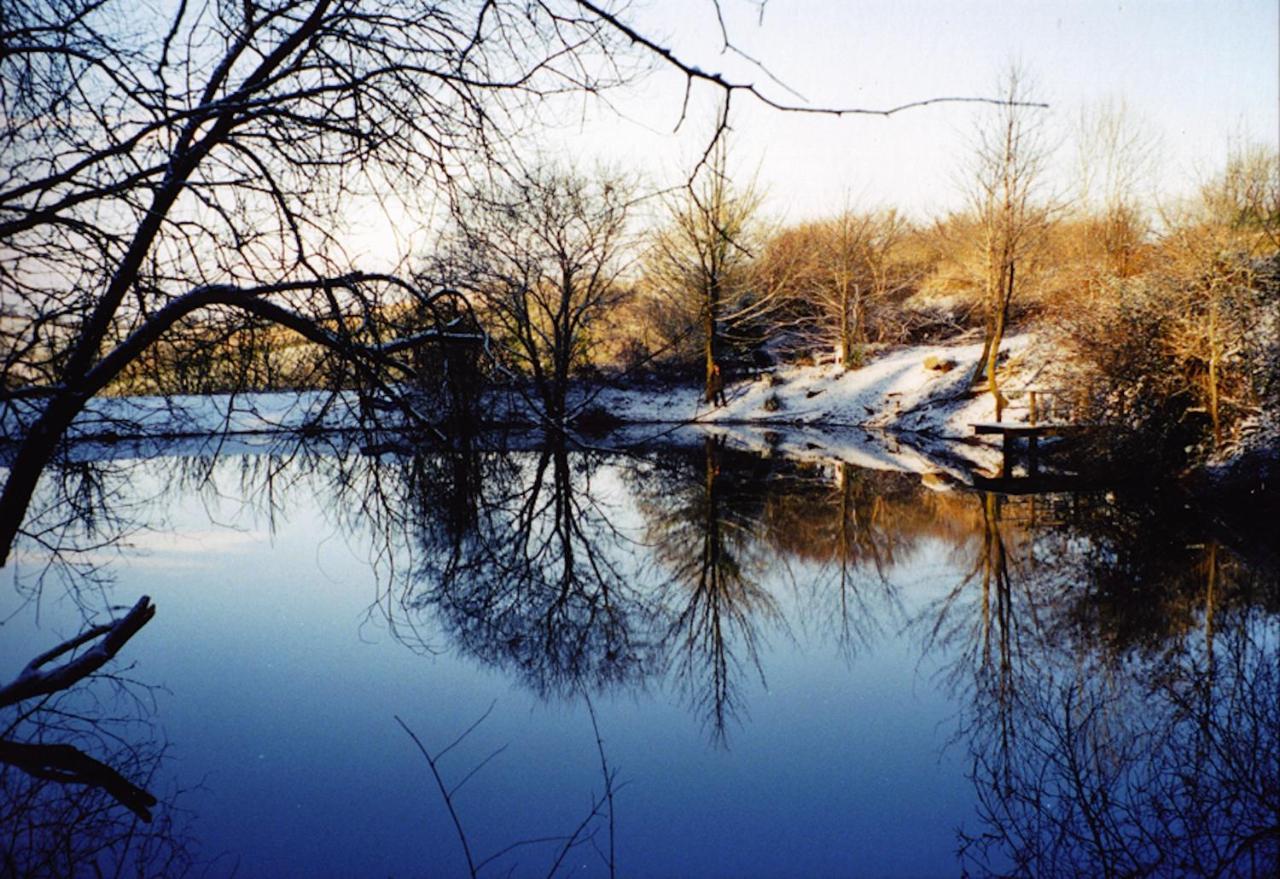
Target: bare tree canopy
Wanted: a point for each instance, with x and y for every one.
(192, 175)
(699, 264)
(840, 273)
(1007, 195)
(154, 170)
(541, 257)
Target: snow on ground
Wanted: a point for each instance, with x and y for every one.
(895, 391)
(192, 415)
(893, 413)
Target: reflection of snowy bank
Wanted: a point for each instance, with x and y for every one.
(906, 410)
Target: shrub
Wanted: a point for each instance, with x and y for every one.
(634, 355)
(1176, 358)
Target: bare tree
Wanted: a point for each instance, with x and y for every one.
(1009, 162)
(700, 262)
(1243, 202)
(1116, 158)
(158, 172)
(839, 273)
(541, 256)
(561, 846)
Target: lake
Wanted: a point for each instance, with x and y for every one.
(675, 659)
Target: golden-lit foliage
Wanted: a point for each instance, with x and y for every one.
(844, 280)
(1184, 347)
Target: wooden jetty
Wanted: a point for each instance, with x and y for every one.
(1012, 434)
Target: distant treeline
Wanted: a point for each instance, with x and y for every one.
(1166, 319)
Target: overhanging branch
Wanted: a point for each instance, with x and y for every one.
(253, 300)
(37, 680)
(694, 73)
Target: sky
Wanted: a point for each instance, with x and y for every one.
(1195, 78)
(1194, 75)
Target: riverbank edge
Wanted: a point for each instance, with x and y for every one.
(908, 408)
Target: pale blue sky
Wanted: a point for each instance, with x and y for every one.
(1198, 74)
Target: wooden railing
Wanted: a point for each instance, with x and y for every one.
(1042, 404)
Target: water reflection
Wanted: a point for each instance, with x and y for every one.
(528, 572)
(1113, 661)
(1164, 770)
(1120, 689)
(703, 518)
(78, 752)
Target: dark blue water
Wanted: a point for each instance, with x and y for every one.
(794, 670)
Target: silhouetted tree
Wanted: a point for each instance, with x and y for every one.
(540, 256)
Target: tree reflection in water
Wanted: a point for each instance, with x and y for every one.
(854, 527)
(704, 522)
(528, 572)
(529, 568)
(1131, 734)
(1115, 662)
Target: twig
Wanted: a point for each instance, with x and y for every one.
(468, 731)
(32, 681)
(476, 769)
(693, 72)
(574, 840)
(608, 784)
(444, 791)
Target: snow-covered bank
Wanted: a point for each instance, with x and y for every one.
(107, 418)
(905, 410)
(908, 409)
(919, 388)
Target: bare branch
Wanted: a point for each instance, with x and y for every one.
(692, 72)
(35, 680)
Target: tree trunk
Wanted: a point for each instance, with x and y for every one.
(711, 343)
(846, 335)
(34, 454)
(1212, 378)
(980, 368)
(993, 350)
(859, 330)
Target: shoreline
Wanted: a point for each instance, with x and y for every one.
(907, 409)
(893, 396)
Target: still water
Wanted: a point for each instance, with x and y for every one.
(682, 660)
